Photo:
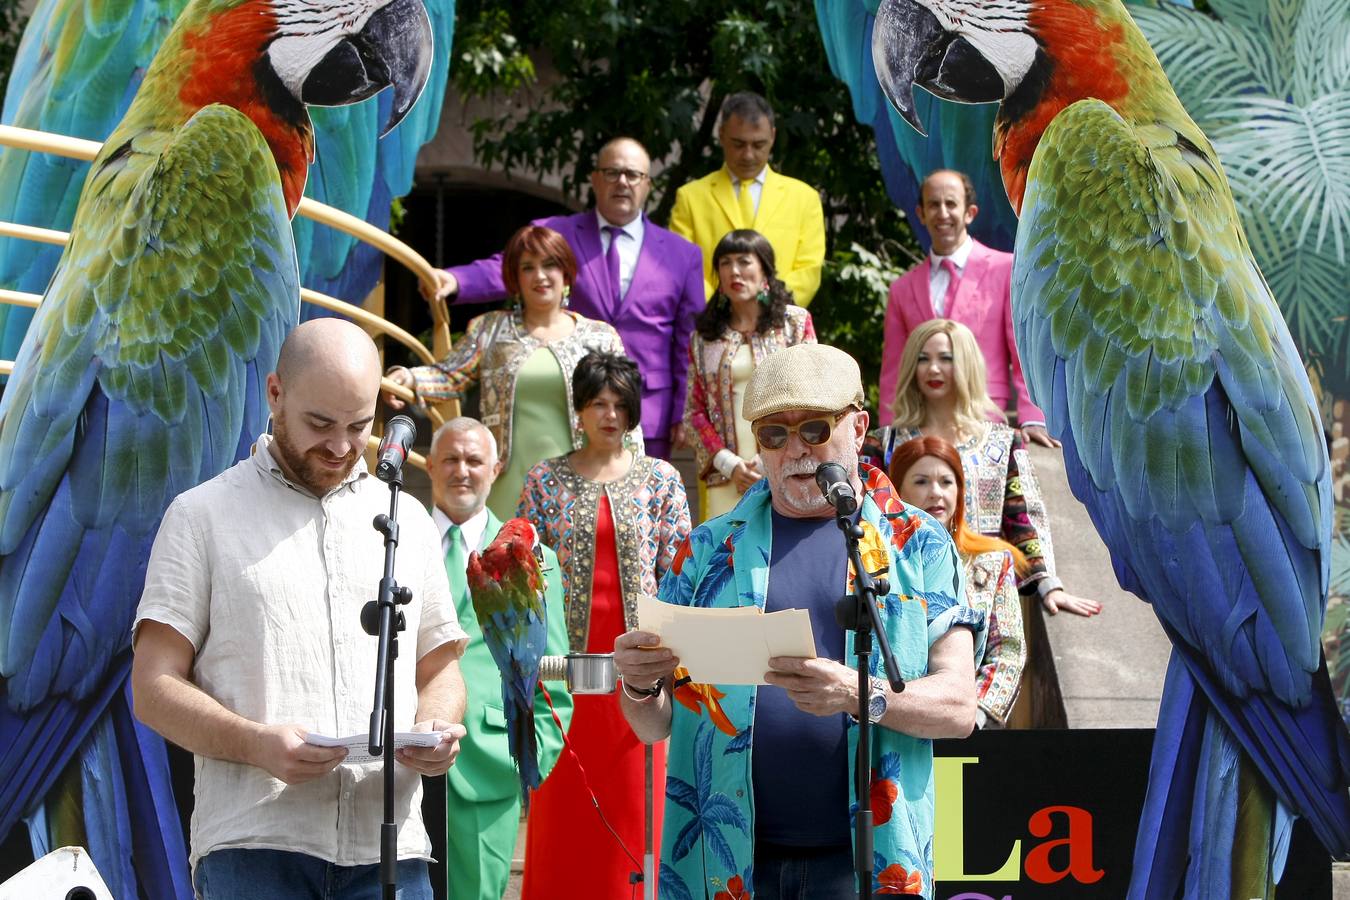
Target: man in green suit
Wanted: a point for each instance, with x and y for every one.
(483, 788)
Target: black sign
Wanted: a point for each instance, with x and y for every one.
(1050, 815)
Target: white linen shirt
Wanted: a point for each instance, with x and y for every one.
(267, 583)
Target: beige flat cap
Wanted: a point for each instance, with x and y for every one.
(804, 376)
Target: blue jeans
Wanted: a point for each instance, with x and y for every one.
(283, 875)
(804, 873)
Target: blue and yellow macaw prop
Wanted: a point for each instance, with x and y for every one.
(1190, 432)
(80, 64)
(958, 135)
(143, 375)
(506, 584)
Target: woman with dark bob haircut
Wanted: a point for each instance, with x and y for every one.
(615, 518)
(606, 371)
(522, 357)
(750, 316)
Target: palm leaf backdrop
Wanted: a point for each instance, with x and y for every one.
(1269, 82)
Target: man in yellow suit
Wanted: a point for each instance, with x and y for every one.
(746, 193)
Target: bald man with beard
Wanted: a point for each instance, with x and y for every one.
(248, 639)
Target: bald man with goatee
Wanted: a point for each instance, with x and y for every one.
(248, 642)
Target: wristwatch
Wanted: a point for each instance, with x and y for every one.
(876, 700)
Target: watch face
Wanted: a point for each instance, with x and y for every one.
(876, 708)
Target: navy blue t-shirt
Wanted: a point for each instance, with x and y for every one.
(800, 761)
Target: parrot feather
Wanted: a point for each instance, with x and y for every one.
(1190, 430)
(506, 585)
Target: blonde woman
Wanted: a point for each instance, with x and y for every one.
(942, 392)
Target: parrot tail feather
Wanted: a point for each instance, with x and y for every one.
(1160, 847)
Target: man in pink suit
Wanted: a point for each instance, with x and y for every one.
(644, 280)
(963, 280)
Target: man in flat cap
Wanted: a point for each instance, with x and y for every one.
(759, 779)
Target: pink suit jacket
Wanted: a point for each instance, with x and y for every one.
(983, 304)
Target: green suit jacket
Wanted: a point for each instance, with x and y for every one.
(484, 770)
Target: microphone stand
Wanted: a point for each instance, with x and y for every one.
(382, 618)
(849, 613)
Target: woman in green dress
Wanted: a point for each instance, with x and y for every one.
(522, 358)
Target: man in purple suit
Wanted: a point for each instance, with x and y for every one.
(631, 273)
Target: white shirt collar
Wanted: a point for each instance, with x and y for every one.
(470, 530)
(633, 229)
(959, 257)
(758, 179)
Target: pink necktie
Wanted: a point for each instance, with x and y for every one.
(953, 283)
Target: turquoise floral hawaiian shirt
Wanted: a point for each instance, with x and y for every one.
(707, 850)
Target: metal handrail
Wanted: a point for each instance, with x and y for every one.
(78, 148)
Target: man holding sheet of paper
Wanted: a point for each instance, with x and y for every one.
(248, 639)
(759, 776)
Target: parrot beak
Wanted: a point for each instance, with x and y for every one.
(911, 47)
(394, 48)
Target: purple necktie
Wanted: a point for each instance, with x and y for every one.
(612, 260)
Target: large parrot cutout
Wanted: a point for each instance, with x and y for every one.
(76, 72)
(1190, 433)
(957, 136)
(506, 584)
(143, 375)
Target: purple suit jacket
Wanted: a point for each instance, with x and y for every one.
(983, 304)
(655, 317)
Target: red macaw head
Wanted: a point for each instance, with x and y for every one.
(1033, 57)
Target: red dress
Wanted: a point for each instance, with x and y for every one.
(568, 851)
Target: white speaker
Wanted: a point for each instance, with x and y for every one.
(66, 873)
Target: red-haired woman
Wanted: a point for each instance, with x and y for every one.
(927, 472)
(523, 358)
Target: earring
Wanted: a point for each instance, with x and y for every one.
(721, 297)
(567, 295)
(763, 295)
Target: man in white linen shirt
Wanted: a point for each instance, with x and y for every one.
(248, 638)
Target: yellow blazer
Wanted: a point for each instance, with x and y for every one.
(789, 215)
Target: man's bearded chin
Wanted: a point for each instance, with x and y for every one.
(805, 496)
(310, 474)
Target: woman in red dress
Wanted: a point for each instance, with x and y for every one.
(615, 519)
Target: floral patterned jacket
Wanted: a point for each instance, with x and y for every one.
(991, 588)
(492, 352)
(707, 407)
(708, 843)
(651, 520)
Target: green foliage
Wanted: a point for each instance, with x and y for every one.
(1269, 82)
(659, 72)
(12, 21)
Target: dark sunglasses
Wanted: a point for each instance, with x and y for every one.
(774, 435)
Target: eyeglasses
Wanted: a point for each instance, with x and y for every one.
(632, 176)
(774, 435)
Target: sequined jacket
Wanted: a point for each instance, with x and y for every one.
(651, 520)
(1003, 497)
(494, 348)
(991, 588)
(708, 408)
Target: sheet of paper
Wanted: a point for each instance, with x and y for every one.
(358, 745)
(727, 646)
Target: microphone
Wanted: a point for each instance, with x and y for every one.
(834, 484)
(399, 433)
